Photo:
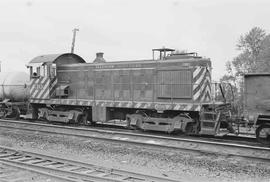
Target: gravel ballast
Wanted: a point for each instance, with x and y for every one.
(180, 165)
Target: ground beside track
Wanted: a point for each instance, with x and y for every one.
(12, 174)
(181, 165)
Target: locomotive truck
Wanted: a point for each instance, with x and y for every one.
(169, 93)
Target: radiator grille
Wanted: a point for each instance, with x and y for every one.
(174, 84)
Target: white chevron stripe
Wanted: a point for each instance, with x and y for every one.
(46, 95)
(207, 90)
(177, 107)
(201, 77)
(188, 107)
(32, 82)
(203, 96)
(199, 92)
(196, 72)
(44, 89)
(196, 95)
(198, 108)
(197, 83)
(53, 84)
(138, 105)
(37, 90)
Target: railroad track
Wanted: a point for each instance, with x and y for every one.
(70, 170)
(10, 173)
(183, 144)
(229, 138)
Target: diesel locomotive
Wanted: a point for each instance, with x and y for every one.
(170, 93)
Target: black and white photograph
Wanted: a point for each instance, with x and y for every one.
(134, 91)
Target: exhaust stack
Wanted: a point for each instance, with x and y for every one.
(99, 58)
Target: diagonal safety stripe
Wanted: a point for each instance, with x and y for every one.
(43, 82)
(52, 81)
(177, 107)
(189, 107)
(52, 90)
(200, 79)
(52, 86)
(198, 91)
(38, 91)
(44, 90)
(196, 108)
(35, 90)
(207, 90)
(196, 72)
(202, 70)
(32, 82)
(203, 91)
(197, 87)
(208, 97)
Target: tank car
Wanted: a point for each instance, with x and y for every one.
(14, 94)
(169, 93)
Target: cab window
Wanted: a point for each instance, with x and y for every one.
(34, 71)
(53, 70)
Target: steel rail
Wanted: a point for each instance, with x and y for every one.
(231, 149)
(71, 169)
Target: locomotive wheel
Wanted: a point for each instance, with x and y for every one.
(263, 134)
(82, 119)
(190, 128)
(15, 114)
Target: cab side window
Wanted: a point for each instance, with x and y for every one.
(35, 72)
(53, 70)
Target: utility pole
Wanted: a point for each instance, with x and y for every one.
(73, 39)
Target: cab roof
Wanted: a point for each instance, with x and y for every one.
(58, 59)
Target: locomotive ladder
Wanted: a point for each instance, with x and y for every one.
(71, 170)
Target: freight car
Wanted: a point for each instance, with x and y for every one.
(257, 104)
(170, 93)
(14, 94)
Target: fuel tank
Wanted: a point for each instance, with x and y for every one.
(14, 86)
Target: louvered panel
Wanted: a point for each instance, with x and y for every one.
(174, 84)
(163, 87)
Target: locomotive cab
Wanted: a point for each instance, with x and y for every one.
(45, 87)
(41, 76)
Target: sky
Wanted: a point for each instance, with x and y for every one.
(126, 29)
